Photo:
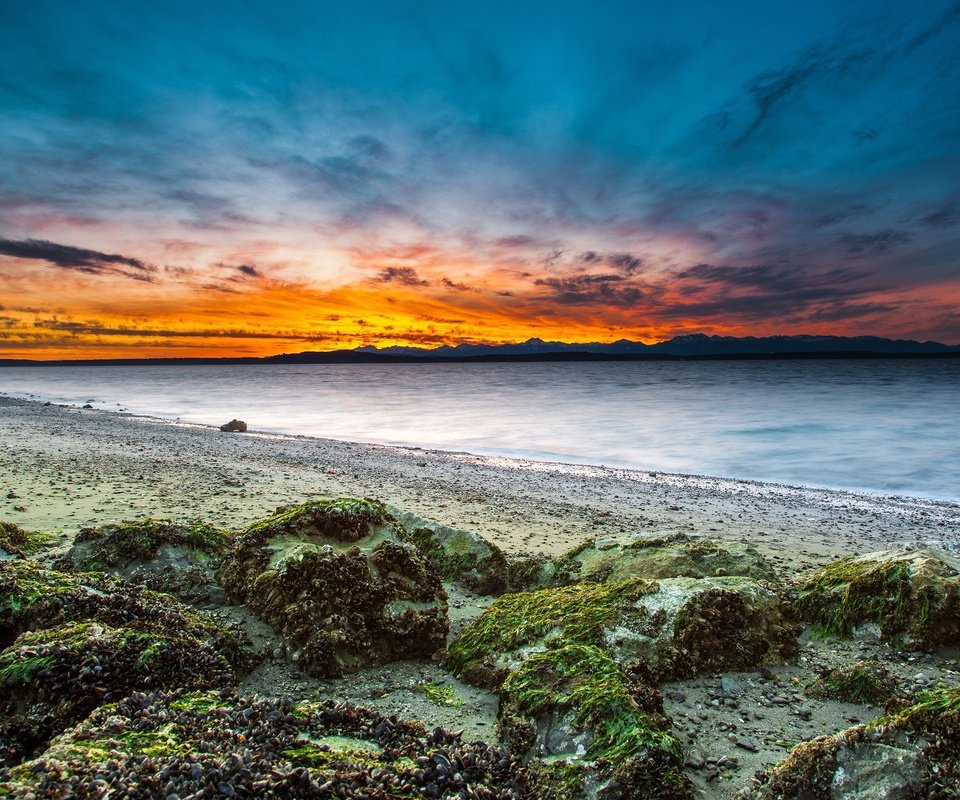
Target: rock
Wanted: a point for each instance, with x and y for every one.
(909, 755)
(178, 558)
(730, 686)
(34, 598)
(865, 683)
(458, 556)
(15, 542)
(234, 426)
(673, 556)
(589, 726)
(215, 744)
(340, 584)
(674, 628)
(913, 595)
(54, 678)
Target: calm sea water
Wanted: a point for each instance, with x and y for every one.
(887, 426)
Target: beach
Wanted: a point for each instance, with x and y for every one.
(65, 467)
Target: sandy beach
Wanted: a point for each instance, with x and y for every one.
(65, 467)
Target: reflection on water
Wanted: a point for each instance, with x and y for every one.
(881, 425)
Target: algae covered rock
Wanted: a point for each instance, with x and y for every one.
(17, 542)
(33, 597)
(677, 555)
(225, 745)
(458, 556)
(912, 595)
(340, 584)
(674, 628)
(913, 754)
(590, 728)
(172, 557)
(53, 678)
(865, 683)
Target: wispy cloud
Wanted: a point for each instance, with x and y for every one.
(93, 262)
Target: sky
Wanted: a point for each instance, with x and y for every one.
(250, 178)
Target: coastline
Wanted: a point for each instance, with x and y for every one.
(68, 467)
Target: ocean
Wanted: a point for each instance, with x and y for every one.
(880, 426)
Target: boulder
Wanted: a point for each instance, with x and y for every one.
(15, 542)
(234, 426)
(53, 678)
(669, 629)
(173, 557)
(458, 556)
(340, 584)
(913, 754)
(677, 555)
(913, 596)
(33, 598)
(222, 744)
(589, 729)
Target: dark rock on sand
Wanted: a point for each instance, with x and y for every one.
(173, 557)
(911, 596)
(340, 584)
(461, 557)
(677, 555)
(53, 678)
(913, 754)
(234, 426)
(211, 745)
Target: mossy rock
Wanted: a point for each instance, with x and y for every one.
(669, 629)
(225, 745)
(17, 542)
(51, 679)
(33, 597)
(912, 595)
(913, 754)
(173, 557)
(340, 584)
(674, 556)
(591, 729)
(864, 683)
(458, 556)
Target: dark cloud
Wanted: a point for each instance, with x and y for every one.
(852, 211)
(611, 290)
(947, 18)
(625, 262)
(767, 278)
(771, 89)
(248, 270)
(873, 243)
(460, 287)
(92, 262)
(590, 256)
(407, 276)
(945, 217)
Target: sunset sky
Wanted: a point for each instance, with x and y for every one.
(250, 178)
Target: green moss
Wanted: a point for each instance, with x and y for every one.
(569, 615)
(558, 778)
(440, 695)
(347, 515)
(141, 540)
(16, 540)
(866, 682)
(197, 703)
(883, 589)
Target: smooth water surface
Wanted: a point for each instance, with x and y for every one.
(888, 426)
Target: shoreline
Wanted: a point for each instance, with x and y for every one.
(68, 467)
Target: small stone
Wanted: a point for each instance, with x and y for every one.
(234, 426)
(730, 686)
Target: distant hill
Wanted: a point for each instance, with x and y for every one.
(691, 346)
